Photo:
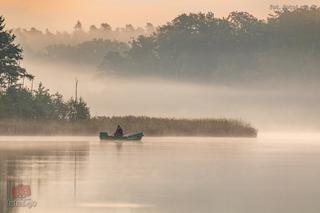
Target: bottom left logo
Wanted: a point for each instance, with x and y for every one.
(19, 195)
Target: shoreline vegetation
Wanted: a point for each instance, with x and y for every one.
(151, 126)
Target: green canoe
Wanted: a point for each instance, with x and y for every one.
(133, 137)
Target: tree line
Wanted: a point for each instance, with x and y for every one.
(17, 101)
(88, 52)
(35, 40)
(236, 48)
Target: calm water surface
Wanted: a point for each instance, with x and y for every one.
(274, 173)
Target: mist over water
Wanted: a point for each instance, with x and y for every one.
(277, 107)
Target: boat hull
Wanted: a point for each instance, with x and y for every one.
(132, 137)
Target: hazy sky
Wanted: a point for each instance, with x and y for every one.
(62, 14)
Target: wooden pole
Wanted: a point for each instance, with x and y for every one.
(76, 95)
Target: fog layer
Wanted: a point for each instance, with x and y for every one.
(285, 108)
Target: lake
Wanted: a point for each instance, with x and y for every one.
(273, 173)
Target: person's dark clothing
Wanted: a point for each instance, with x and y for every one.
(119, 132)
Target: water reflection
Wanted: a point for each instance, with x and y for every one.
(162, 175)
(28, 167)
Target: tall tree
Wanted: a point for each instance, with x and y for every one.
(10, 55)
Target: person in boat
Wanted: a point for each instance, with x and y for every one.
(119, 132)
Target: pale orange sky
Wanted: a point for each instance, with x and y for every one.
(62, 14)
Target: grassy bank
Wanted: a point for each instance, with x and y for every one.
(150, 126)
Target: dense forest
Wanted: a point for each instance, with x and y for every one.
(239, 48)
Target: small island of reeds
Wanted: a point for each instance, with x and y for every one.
(149, 125)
